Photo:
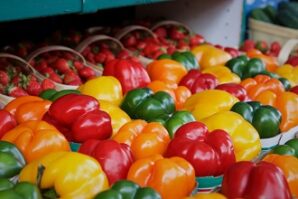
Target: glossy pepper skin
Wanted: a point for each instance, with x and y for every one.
(222, 74)
(240, 181)
(7, 122)
(141, 103)
(246, 68)
(22, 190)
(235, 89)
(266, 119)
(145, 139)
(52, 94)
(111, 92)
(289, 166)
(125, 189)
(196, 81)
(207, 196)
(27, 108)
(166, 70)
(209, 56)
(114, 158)
(178, 93)
(154, 172)
(269, 61)
(11, 160)
(36, 139)
(130, 73)
(78, 117)
(210, 153)
(246, 140)
(289, 72)
(187, 59)
(72, 175)
(205, 104)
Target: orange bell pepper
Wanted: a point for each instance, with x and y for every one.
(166, 70)
(270, 62)
(289, 166)
(145, 139)
(27, 108)
(173, 178)
(261, 85)
(207, 196)
(36, 139)
(178, 93)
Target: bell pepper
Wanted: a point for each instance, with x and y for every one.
(52, 94)
(178, 119)
(283, 150)
(187, 59)
(289, 72)
(207, 196)
(269, 61)
(255, 180)
(261, 85)
(178, 93)
(110, 92)
(22, 190)
(172, 178)
(130, 73)
(128, 190)
(7, 122)
(266, 119)
(36, 139)
(166, 70)
(27, 108)
(294, 89)
(78, 117)
(245, 138)
(145, 139)
(208, 56)
(141, 103)
(246, 68)
(289, 167)
(118, 116)
(293, 143)
(235, 89)
(210, 153)
(207, 103)
(196, 82)
(11, 160)
(70, 174)
(115, 159)
(223, 74)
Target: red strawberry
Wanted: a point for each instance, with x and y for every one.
(293, 60)
(124, 54)
(16, 80)
(232, 51)
(100, 57)
(130, 41)
(87, 73)
(55, 77)
(182, 45)
(247, 45)
(62, 65)
(141, 45)
(4, 78)
(47, 84)
(196, 40)
(275, 47)
(78, 65)
(33, 87)
(161, 32)
(71, 78)
(109, 57)
(171, 49)
(42, 64)
(177, 33)
(47, 71)
(15, 91)
(262, 46)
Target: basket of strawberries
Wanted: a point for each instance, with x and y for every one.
(18, 78)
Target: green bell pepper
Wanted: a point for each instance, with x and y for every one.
(285, 82)
(53, 95)
(283, 150)
(142, 103)
(11, 160)
(294, 144)
(125, 189)
(187, 59)
(245, 68)
(22, 190)
(266, 119)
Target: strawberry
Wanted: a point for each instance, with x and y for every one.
(130, 41)
(42, 64)
(47, 71)
(177, 33)
(196, 40)
(293, 60)
(71, 78)
(4, 78)
(16, 80)
(232, 51)
(171, 49)
(123, 54)
(87, 73)
(47, 84)
(15, 91)
(182, 45)
(100, 57)
(247, 45)
(262, 46)
(161, 32)
(33, 87)
(109, 56)
(275, 48)
(62, 65)
(78, 65)
(55, 77)
(141, 45)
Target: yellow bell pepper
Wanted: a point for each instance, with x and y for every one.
(223, 74)
(104, 88)
(207, 196)
(289, 72)
(72, 175)
(208, 55)
(118, 116)
(245, 138)
(209, 102)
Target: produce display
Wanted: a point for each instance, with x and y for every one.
(195, 120)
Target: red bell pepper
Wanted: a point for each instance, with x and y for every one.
(78, 117)
(130, 73)
(210, 153)
(114, 158)
(294, 89)
(235, 89)
(7, 122)
(255, 180)
(196, 81)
